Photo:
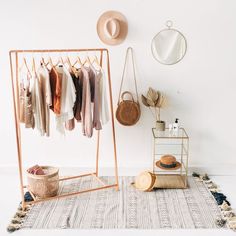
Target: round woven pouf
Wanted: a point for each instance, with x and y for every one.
(145, 181)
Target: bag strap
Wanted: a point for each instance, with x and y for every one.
(129, 49)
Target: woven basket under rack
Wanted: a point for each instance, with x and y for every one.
(43, 186)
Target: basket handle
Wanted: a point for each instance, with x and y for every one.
(127, 92)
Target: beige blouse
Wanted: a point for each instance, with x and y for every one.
(44, 82)
(97, 99)
(86, 109)
(37, 104)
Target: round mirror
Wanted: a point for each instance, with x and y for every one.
(169, 46)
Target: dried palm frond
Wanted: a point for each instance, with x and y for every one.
(144, 101)
(151, 102)
(160, 101)
(154, 101)
(152, 95)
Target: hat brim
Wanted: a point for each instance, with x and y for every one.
(178, 165)
(123, 27)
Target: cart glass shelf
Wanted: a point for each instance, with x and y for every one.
(180, 134)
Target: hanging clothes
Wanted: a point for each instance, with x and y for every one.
(86, 112)
(104, 108)
(37, 104)
(45, 89)
(29, 116)
(26, 113)
(67, 99)
(92, 77)
(72, 94)
(96, 98)
(56, 84)
(22, 103)
(70, 124)
(78, 82)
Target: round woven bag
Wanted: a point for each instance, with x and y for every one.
(128, 111)
(145, 181)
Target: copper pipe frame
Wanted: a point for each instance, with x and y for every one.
(15, 92)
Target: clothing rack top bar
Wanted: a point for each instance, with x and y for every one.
(59, 50)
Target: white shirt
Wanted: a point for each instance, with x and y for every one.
(68, 98)
(104, 109)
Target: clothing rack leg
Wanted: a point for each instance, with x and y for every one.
(98, 132)
(112, 120)
(15, 91)
(97, 154)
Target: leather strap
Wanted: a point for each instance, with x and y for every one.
(129, 49)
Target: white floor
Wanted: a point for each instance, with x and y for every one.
(10, 198)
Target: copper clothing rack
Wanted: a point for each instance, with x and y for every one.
(14, 64)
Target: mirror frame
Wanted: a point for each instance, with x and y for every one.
(169, 28)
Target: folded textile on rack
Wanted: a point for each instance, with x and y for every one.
(36, 170)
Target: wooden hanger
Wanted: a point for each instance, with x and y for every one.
(51, 62)
(33, 66)
(95, 60)
(70, 65)
(87, 60)
(78, 61)
(68, 61)
(26, 66)
(61, 61)
(22, 65)
(44, 62)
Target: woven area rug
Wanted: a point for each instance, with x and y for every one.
(128, 208)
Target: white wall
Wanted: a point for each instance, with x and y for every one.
(200, 89)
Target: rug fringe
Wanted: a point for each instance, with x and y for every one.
(228, 216)
(19, 217)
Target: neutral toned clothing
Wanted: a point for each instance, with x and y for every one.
(45, 87)
(28, 110)
(22, 103)
(92, 75)
(70, 124)
(37, 104)
(72, 94)
(76, 76)
(56, 84)
(25, 106)
(86, 114)
(104, 108)
(67, 98)
(96, 100)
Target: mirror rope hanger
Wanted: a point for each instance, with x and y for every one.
(169, 24)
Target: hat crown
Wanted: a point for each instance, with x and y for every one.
(168, 159)
(112, 28)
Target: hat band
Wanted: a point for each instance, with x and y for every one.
(168, 166)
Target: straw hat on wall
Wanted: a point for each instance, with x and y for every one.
(112, 28)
